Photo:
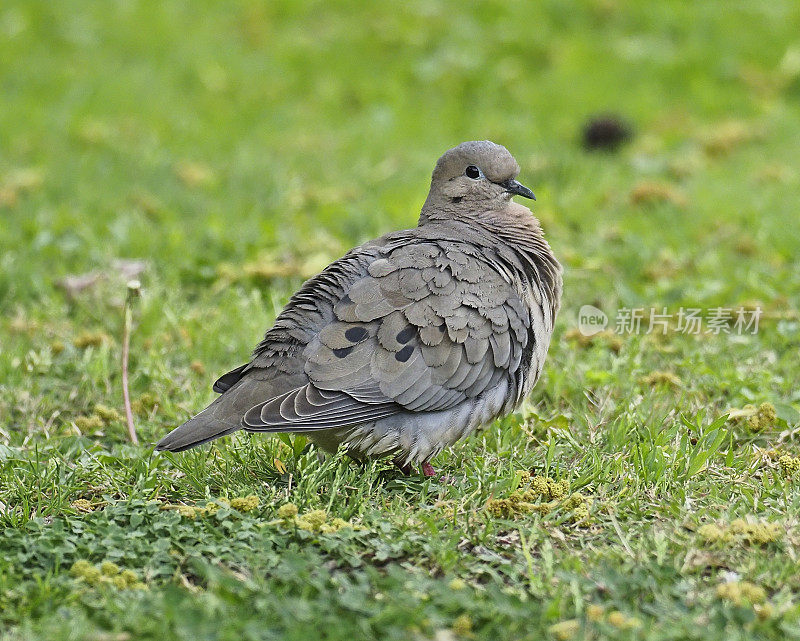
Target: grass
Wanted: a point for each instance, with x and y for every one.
(238, 147)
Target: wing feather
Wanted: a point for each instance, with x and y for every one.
(424, 327)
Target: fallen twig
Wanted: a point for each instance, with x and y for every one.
(134, 289)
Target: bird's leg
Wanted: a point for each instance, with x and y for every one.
(427, 469)
(405, 468)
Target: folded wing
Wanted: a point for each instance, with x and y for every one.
(429, 325)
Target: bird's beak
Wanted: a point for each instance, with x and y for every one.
(517, 189)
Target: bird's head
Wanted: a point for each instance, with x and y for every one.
(477, 174)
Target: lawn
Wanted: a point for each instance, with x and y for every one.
(222, 152)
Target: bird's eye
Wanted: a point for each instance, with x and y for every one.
(473, 172)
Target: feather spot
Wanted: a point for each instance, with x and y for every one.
(406, 334)
(356, 334)
(342, 352)
(404, 354)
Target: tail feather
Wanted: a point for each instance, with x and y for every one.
(178, 440)
(224, 415)
(213, 422)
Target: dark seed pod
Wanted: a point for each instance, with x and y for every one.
(605, 132)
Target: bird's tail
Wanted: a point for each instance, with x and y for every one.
(213, 422)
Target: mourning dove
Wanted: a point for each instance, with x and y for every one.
(409, 342)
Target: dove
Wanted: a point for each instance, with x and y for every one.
(412, 341)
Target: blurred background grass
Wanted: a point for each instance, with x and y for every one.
(192, 133)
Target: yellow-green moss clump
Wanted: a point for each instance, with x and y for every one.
(108, 573)
(102, 417)
(82, 505)
(790, 465)
(240, 504)
(107, 414)
(212, 507)
(313, 521)
(662, 378)
(287, 511)
(89, 424)
(622, 621)
(741, 593)
(712, 533)
(90, 339)
(756, 419)
(145, 404)
(741, 532)
(724, 137)
(81, 568)
(606, 338)
(764, 418)
(760, 532)
(564, 630)
(649, 193)
(187, 511)
(245, 503)
(542, 495)
(462, 626)
(545, 488)
(334, 525)
(595, 612)
(457, 584)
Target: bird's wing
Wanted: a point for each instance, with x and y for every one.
(426, 326)
(228, 380)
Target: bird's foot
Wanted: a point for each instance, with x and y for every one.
(405, 468)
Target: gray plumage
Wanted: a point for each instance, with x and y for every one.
(411, 341)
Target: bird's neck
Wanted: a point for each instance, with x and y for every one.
(514, 225)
